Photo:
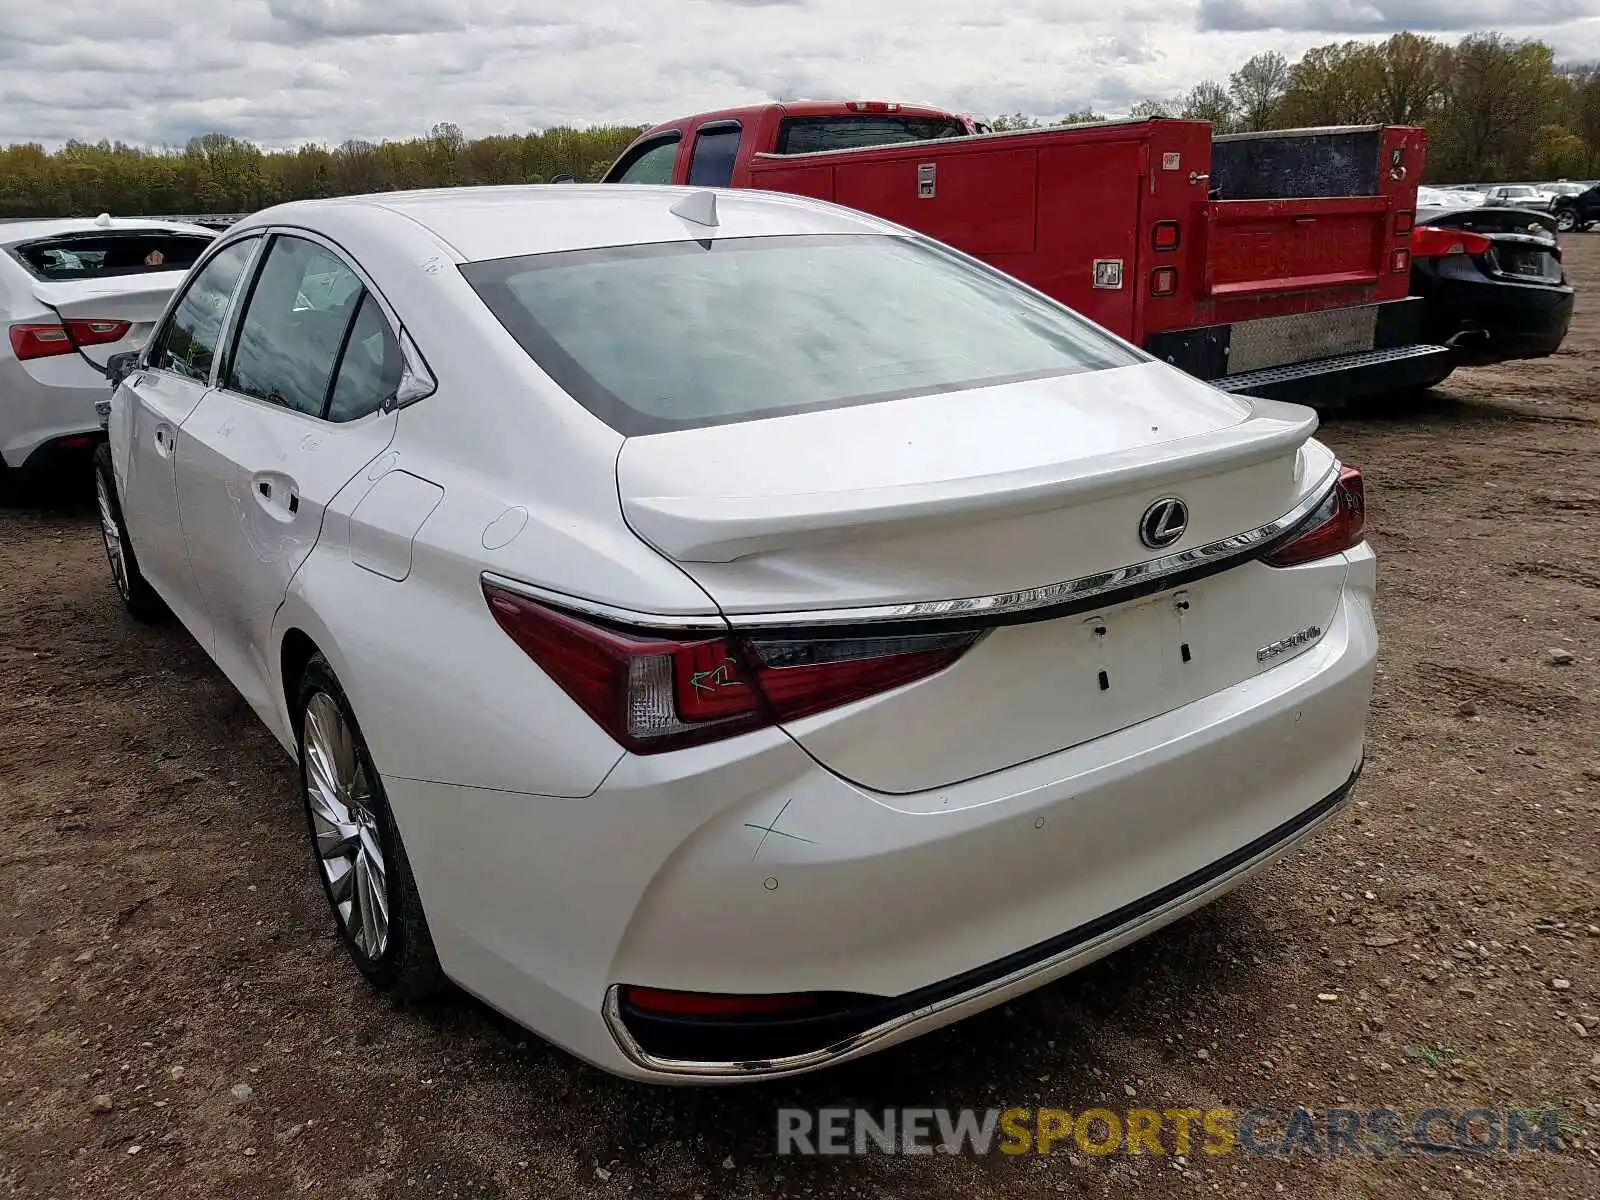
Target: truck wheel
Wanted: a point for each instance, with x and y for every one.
(1566, 220)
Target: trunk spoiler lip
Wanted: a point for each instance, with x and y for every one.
(1025, 606)
(706, 527)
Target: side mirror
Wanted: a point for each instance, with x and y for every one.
(120, 366)
(565, 177)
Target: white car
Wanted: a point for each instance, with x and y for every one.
(1518, 196)
(1428, 197)
(726, 632)
(70, 288)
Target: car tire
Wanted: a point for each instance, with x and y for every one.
(356, 846)
(138, 597)
(1566, 220)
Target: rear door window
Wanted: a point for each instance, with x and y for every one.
(715, 149)
(298, 316)
(187, 343)
(652, 163)
(808, 135)
(107, 255)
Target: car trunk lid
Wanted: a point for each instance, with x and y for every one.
(138, 300)
(1524, 245)
(1004, 505)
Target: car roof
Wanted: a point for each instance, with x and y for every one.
(480, 223)
(14, 233)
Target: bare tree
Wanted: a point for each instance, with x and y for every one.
(1210, 101)
(1414, 73)
(1257, 89)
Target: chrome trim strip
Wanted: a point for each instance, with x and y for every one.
(1211, 557)
(709, 622)
(763, 1068)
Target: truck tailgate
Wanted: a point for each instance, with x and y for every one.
(1257, 247)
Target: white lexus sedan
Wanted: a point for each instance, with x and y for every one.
(725, 632)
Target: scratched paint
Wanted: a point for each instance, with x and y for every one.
(771, 830)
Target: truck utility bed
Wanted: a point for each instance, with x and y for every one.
(1275, 264)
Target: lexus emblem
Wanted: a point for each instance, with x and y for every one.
(1163, 523)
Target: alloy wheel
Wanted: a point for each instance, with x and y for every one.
(1566, 222)
(339, 795)
(111, 535)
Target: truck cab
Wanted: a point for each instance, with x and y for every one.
(718, 149)
(1577, 212)
(1273, 264)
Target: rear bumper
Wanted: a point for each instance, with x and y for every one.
(34, 415)
(1392, 354)
(1515, 320)
(745, 867)
(64, 453)
(1331, 381)
(876, 1020)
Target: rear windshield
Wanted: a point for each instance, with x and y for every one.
(807, 135)
(103, 255)
(675, 335)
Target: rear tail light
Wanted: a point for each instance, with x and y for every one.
(1165, 235)
(660, 691)
(1337, 525)
(1430, 241)
(1403, 222)
(1400, 262)
(47, 341)
(1164, 281)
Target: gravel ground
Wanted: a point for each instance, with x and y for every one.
(176, 1016)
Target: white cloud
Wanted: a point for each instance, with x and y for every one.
(288, 71)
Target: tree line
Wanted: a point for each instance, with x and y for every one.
(221, 174)
(1495, 109)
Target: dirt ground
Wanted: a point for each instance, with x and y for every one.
(164, 948)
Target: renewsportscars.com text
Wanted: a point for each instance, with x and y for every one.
(1261, 1131)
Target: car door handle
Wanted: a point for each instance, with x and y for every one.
(277, 494)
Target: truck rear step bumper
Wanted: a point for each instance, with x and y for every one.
(1331, 381)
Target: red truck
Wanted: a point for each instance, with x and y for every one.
(1273, 264)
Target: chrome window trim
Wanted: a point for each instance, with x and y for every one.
(179, 293)
(1105, 585)
(762, 1068)
(417, 381)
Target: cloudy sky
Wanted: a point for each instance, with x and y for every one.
(288, 71)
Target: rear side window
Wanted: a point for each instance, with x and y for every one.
(369, 369)
(650, 164)
(680, 334)
(714, 152)
(808, 135)
(187, 344)
(105, 255)
(294, 326)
